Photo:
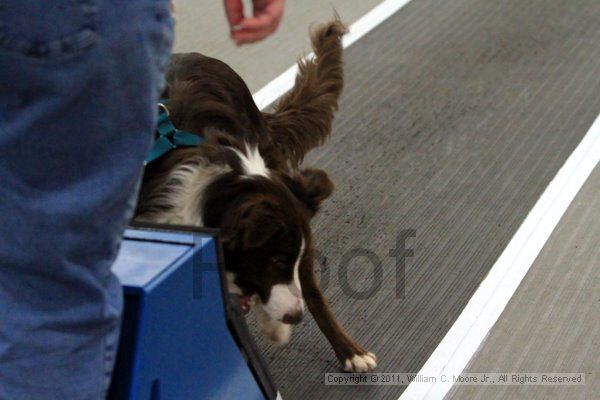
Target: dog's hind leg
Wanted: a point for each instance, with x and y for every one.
(303, 117)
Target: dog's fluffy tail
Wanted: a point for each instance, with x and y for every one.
(303, 117)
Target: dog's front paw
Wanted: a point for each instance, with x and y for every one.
(361, 363)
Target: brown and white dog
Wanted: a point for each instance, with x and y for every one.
(245, 180)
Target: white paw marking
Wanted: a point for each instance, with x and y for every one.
(361, 363)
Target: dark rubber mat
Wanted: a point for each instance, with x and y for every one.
(456, 116)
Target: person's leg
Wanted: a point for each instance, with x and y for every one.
(79, 82)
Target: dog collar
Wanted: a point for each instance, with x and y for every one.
(167, 137)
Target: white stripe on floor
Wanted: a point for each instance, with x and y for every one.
(284, 82)
(484, 308)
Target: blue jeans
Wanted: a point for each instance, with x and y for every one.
(79, 81)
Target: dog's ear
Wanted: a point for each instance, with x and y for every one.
(251, 225)
(312, 186)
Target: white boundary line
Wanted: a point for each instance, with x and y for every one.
(284, 82)
(483, 310)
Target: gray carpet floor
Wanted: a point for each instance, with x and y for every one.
(552, 323)
(456, 116)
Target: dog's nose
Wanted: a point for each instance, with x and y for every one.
(293, 318)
